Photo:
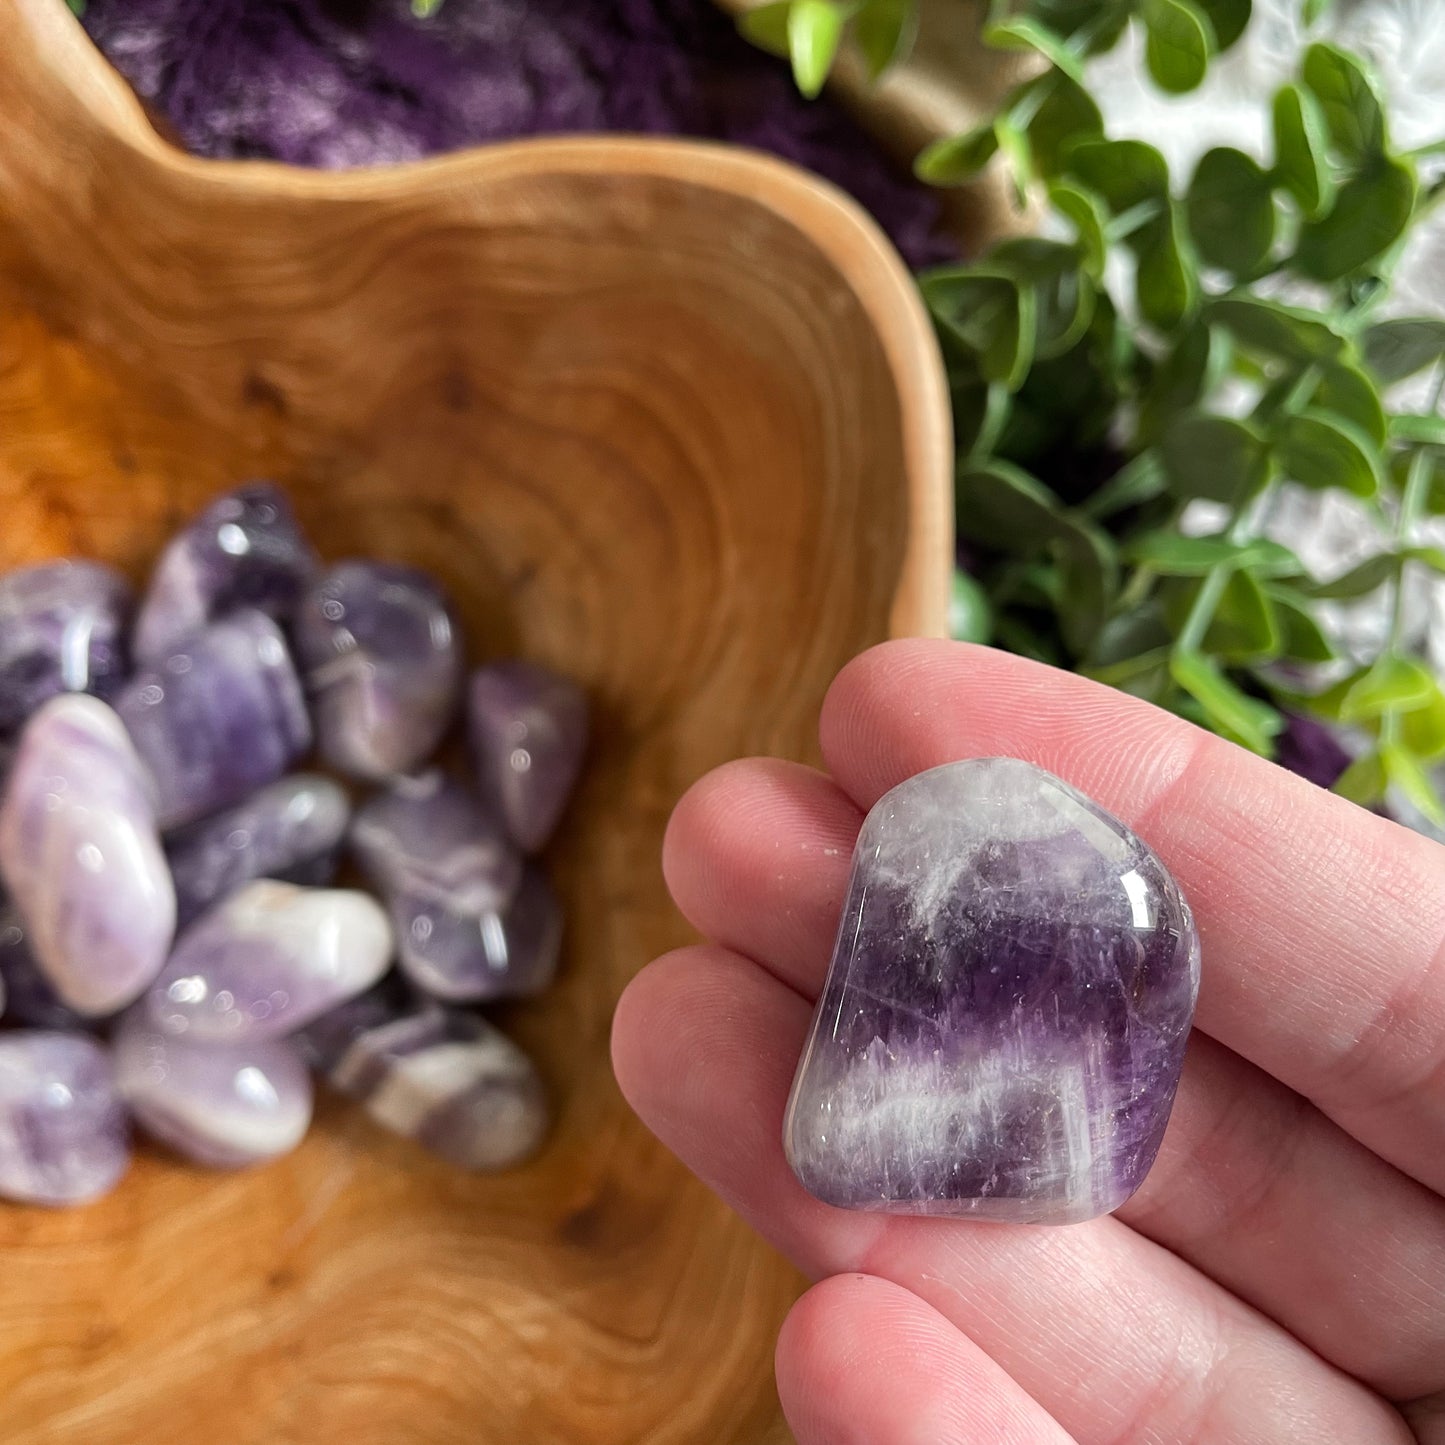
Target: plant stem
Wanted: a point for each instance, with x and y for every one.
(1134, 219)
(1201, 614)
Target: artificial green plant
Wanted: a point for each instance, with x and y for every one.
(1103, 382)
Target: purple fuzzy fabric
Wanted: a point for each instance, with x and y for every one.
(339, 83)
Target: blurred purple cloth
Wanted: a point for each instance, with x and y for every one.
(339, 83)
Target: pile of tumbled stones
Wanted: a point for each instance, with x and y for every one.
(172, 950)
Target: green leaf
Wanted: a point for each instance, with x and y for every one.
(1357, 582)
(1126, 173)
(1369, 215)
(1363, 782)
(1270, 328)
(1431, 557)
(1244, 626)
(1312, 11)
(1215, 457)
(1067, 117)
(1001, 505)
(1103, 20)
(1230, 711)
(1301, 636)
(957, 158)
(1164, 282)
(1318, 450)
(885, 31)
(1230, 205)
(1023, 32)
(1180, 42)
(970, 617)
(1301, 164)
(1186, 375)
(1347, 94)
(1141, 480)
(1085, 211)
(1227, 18)
(815, 27)
(1089, 568)
(1428, 431)
(1176, 555)
(767, 26)
(1392, 684)
(1014, 144)
(1422, 729)
(989, 314)
(1397, 349)
(1345, 391)
(1064, 294)
(1404, 772)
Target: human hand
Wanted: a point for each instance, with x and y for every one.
(1280, 1276)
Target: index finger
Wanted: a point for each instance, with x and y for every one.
(1323, 925)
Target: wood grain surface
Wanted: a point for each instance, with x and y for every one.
(665, 416)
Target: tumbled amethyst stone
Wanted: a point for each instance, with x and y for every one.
(1003, 1024)
(383, 659)
(427, 837)
(221, 1105)
(244, 551)
(269, 959)
(81, 856)
(218, 717)
(528, 731)
(63, 1134)
(449, 1080)
(29, 997)
(292, 830)
(62, 629)
(475, 957)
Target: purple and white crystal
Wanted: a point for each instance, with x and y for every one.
(449, 1080)
(383, 658)
(244, 551)
(268, 959)
(218, 717)
(477, 957)
(81, 857)
(222, 1105)
(427, 836)
(1003, 1024)
(292, 830)
(528, 731)
(29, 998)
(63, 1133)
(62, 629)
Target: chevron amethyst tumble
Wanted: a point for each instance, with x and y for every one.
(1002, 1028)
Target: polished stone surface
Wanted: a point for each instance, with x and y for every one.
(29, 997)
(81, 857)
(218, 717)
(268, 959)
(428, 838)
(244, 551)
(1003, 1024)
(382, 654)
(528, 732)
(449, 1080)
(62, 629)
(477, 957)
(291, 829)
(63, 1132)
(222, 1105)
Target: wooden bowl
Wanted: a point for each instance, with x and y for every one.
(666, 416)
